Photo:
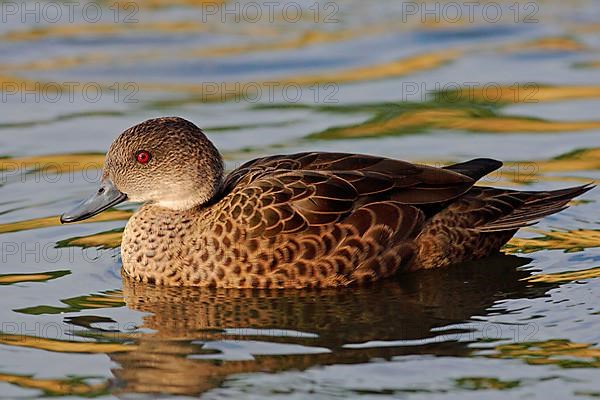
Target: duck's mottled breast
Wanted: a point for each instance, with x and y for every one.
(157, 244)
(204, 246)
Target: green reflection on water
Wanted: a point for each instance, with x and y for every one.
(107, 299)
(11, 279)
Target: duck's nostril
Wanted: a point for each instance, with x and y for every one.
(101, 190)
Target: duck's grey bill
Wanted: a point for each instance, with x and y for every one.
(106, 197)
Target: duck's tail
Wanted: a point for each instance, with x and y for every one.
(526, 208)
(479, 223)
(505, 210)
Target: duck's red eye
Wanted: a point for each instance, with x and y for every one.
(143, 157)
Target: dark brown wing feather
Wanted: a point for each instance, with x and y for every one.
(476, 168)
(286, 194)
(508, 209)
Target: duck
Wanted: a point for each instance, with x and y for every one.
(305, 220)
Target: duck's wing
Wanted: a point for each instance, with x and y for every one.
(411, 183)
(287, 194)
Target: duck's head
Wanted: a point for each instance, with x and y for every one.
(167, 161)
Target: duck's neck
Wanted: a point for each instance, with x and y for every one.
(195, 198)
(180, 204)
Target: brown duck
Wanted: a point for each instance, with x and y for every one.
(300, 220)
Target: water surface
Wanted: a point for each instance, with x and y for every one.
(365, 77)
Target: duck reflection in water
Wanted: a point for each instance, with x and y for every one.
(296, 330)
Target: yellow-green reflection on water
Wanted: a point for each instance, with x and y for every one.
(569, 241)
(112, 298)
(562, 353)
(54, 220)
(11, 279)
(57, 387)
(566, 276)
